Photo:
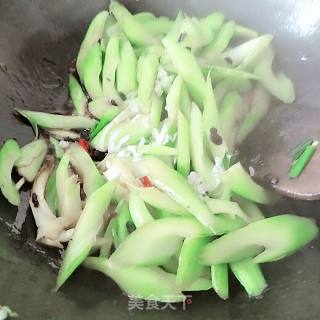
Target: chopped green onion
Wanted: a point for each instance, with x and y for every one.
(297, 151)
(229, 159)
(302, 161)
(100, 125)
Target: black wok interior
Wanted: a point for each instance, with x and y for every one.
(38, 39)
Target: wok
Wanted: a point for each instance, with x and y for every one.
(37, 41)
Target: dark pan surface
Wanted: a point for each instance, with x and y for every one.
(37, 41)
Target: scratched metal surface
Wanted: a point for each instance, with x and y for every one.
(37, 41)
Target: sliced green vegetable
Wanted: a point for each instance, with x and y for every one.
(174, 33)
(78, 97)
(101, 107)
(127, 68)
(177, 188)
(137, 127)
(123, 218)
(245, 55)
(219, 73)
(64, 134)
(31, 159)
(154, 150)
(194, 34)
(160, 200)
(115, 235)
(123, 134)
(279, 85)
(155, 242)
(56, 121)
(85, 167)
(185, 106)
(158, 26)
(289, 234)
(149, 70)
(156, 108)
(201, 284)
(110, 29)
(220, 280)
(85, 232)
(245, 32)
(102, 138)
(140, 282)
(108, 236)
(252, 211)
(51, 195)
(107, 117)
(92, 68)
(68, 191)
(132, 27)
(239, 182)
(250, 276)
(183, 146)
(158, 50)
(172, 265)
(111, 94)
(139, 213)
(188, 68)
(111, 61)
(200, 160)
(144, 16)
(190, 268)
(173, 103)
(227, 207)
(221, 40)
(211, 121)
(114, 30)
(57, 148)
(233, 110)
(9, 153)
(214, 21)
(223, 87)
(94, 33)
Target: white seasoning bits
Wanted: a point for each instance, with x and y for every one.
(112, 173)
(252, 171)
(132, 102)
(142, 142)
(124, 140)
(196, 182)
(64, 144)
(160, 137)
(163, 81)
(66, 235)
(115, 146)
(217, 172)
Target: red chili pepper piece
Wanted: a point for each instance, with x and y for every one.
(146, 182)
(84, 144)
